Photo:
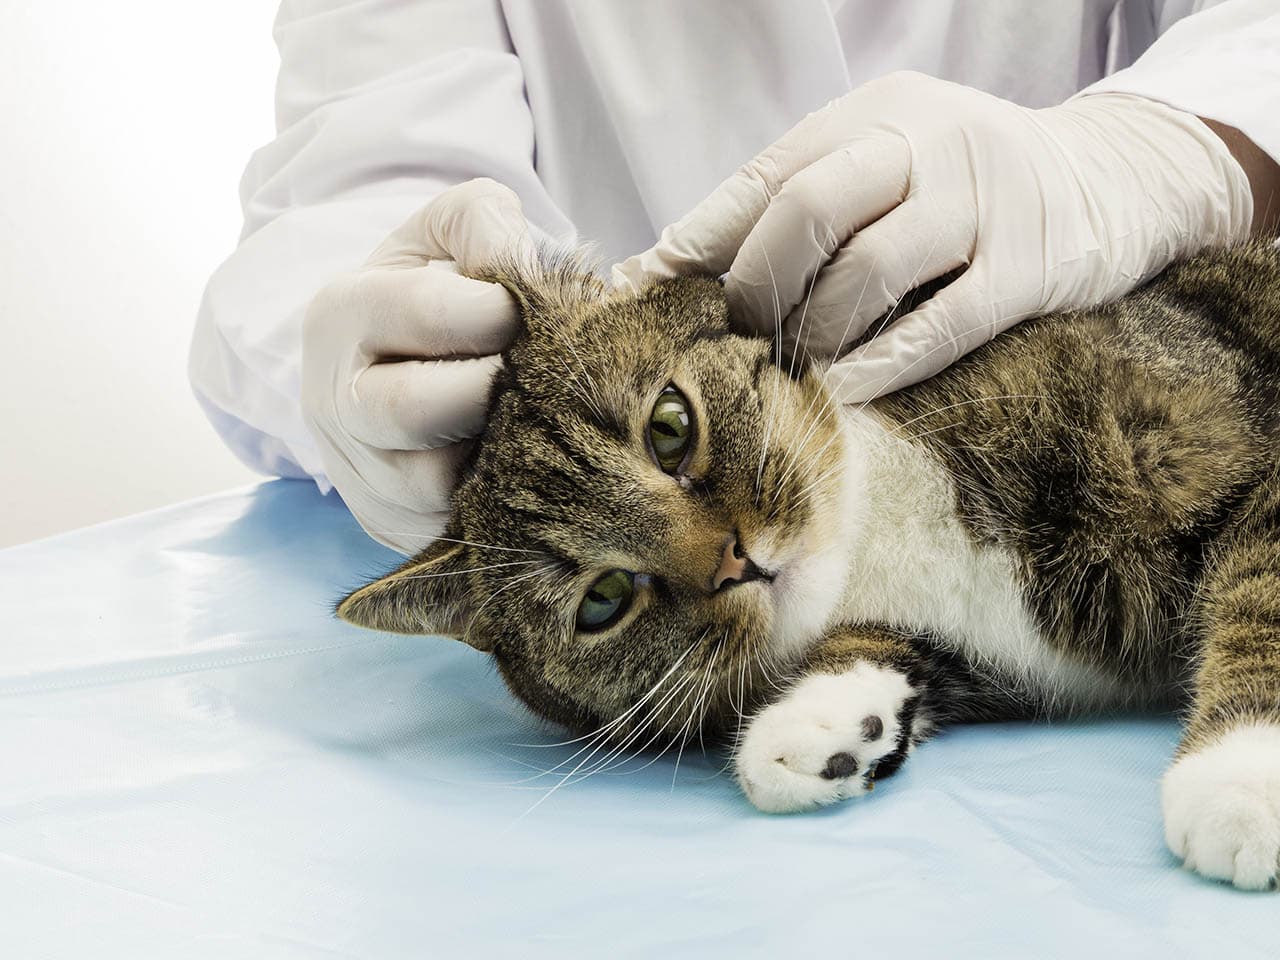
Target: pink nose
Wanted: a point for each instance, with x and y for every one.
(735, 567)
(732, 566)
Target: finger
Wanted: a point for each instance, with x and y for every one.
(473, 223)
(417, 480)
(707, 239)
(426, 311)
(418, 404)
(407, 533)
(909, 246)
(814, 213)
(403, 496)
(944, 328)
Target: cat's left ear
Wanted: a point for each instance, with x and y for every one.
(427, 595)
(551, 292)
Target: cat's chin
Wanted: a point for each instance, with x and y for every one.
(805, 595)
(808, 587)
(811, 581)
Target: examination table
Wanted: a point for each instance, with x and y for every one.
(197, 760)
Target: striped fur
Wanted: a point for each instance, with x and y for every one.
(1081, 514)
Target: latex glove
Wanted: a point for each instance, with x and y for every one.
(907, 178)
(397, 359)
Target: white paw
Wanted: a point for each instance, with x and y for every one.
(821, 742)
(1222, 808)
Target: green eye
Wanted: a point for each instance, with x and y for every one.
(607, 599)
(669, 430)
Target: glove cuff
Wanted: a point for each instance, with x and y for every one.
(1198, 195)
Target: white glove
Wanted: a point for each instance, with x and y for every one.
(908, 178)
(397, 359)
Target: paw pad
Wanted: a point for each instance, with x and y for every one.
(839, 766)
(820, 742)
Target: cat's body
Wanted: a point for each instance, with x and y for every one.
(1083, 514)
(1071, 482)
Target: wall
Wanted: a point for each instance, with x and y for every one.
(123, 130)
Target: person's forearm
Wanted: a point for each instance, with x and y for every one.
(1263, 173)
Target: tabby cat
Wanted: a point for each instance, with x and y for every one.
(667, 530)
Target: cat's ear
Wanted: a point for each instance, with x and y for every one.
(427, 595)
(551, 290)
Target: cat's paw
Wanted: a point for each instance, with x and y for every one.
(822, 741)
(1222, 808)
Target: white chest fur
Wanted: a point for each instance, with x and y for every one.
(912, 565)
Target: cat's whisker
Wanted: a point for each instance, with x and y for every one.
(687, 683)
(653, 712)
(469, 543)
(848, 327)
(890, 314)
(794, 452)
(885, 321)
(578, 388)
(771, 417)
(458, 573)
(891, 385)
(804, 312)
(658, 731)
(693, 714)
(897, 427)
(567, 778)
(621, 718)
(711, 685)
(600, 740)
(739, 707)
(511, 582)
(890, 435)
(826, 410)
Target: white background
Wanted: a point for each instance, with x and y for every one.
(124, 127)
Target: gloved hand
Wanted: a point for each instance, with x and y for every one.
(397, 358)
(907, 178)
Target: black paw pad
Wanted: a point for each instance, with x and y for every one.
(839, 766)
(872, 727)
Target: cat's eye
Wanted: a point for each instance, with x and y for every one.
(607, 600)
(669, 429)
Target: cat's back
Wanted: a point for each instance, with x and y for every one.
(1106, 449)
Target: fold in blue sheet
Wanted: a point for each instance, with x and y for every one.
(197, 761)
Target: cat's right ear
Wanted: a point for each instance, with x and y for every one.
(427, 595)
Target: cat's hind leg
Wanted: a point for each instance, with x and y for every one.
(865, 697)
(1221, 797)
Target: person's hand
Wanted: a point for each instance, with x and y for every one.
(397, 359)
(908, 178)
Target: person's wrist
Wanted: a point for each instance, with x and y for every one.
(1262, 171)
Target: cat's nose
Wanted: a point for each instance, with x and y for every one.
(735, 567)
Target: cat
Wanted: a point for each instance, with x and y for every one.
(669, 530)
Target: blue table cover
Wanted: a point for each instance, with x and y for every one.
(197, 761)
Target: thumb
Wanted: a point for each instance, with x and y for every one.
(708, 237)
(950, 324)
(471, 223)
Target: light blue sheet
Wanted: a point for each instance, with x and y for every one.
(197, 761)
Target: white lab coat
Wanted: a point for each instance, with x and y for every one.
(610, 118)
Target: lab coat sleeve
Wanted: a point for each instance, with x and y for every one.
(1218, 61)
(379, 107)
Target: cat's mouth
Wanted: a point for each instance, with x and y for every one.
(807, 570)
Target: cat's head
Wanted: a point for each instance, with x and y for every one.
(649, 530)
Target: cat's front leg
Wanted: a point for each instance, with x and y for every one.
(850, 716)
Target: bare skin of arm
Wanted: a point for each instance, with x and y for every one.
(1263, 173)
